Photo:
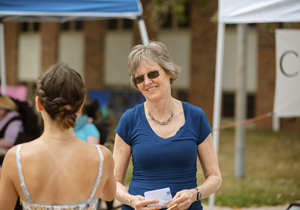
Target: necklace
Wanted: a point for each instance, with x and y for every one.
(162, 123)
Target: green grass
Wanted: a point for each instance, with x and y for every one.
(272, 169)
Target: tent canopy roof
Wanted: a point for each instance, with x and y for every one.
(66, 10)
(259, 11)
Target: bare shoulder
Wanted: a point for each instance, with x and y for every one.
(10, 156)
(105, 152)
(107, 156)
(10, 164)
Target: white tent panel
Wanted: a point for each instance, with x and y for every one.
(259, 11)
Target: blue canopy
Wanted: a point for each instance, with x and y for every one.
(66, 10)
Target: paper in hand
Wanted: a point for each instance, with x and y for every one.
(163, 195)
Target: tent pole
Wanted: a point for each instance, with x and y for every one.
(2, 59)
(276, 123)
(217, 95)
(240, 102)
(143, 31)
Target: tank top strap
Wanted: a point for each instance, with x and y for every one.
(22, 181)
(99, 174)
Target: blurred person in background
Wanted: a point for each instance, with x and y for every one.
(10, 124)
(164, 136)
(61, 170)
(85, 129)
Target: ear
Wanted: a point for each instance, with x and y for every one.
(39, 106)
(81, 106)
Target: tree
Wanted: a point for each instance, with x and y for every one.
(158, 11)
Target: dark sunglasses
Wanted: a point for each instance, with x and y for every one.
(151, 75)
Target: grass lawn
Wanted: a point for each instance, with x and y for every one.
(272, 169)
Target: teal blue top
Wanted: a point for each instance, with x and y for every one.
(84, 129)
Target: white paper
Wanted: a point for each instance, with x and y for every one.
(163, 195)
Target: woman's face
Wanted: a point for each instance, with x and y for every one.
(154, 89)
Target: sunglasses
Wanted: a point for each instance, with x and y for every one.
(151, 75)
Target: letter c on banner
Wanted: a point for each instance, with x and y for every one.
(281, 67)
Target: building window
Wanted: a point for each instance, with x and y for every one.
(29, 27)
(127, 24)
(228, 105)
(183, 95)
(112, 24)
(119, 24)
(65, 26)
(169, 22)
(78, 25)
(71, 26)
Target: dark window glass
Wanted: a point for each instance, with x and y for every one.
(183, 95)
(112, 24)
(229, 105)
(78, 25)
(65, 26)
(24, 27)
(186, 23)
(231, 25)
(36, 27)
(168, 22)
(127, 24)
(250, 106)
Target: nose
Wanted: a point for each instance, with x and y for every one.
(147, 80)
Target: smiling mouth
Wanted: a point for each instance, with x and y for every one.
(150, 89)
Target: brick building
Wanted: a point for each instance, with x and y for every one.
(98, 49)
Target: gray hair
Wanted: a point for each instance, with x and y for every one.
(155, 52)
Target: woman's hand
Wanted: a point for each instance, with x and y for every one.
(183, 199)
(139, 203)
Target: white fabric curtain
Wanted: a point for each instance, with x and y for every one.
(287, 96)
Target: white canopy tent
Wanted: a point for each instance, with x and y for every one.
(66, 10)
(245, 11)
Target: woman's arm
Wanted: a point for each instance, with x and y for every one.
(109, 189)
(121, 154)
(213, 180)
(8, 193)
(210, 166)
(5, 144)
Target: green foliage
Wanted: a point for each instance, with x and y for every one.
(203, 2)
(158, 11)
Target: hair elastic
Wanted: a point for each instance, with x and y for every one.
(56, 99)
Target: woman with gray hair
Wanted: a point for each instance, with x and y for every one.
(164, 136)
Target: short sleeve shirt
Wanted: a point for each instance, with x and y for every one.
(158, 162)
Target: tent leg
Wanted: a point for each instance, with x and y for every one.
(143, 32)
(217, 95)
(2, 59)
(240, 102)
(276, 123)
